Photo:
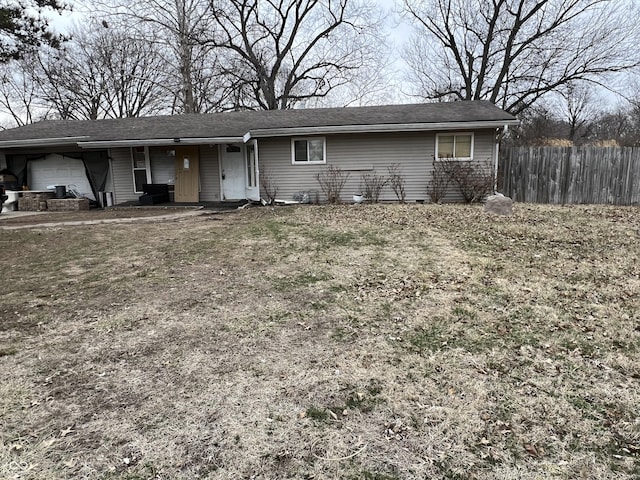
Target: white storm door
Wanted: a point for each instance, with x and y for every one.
(232, 172)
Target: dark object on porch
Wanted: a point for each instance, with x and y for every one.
(8, 180)
(61, 191)
(3, 197)
(154, 193)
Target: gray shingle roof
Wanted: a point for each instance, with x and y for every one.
(237, 124)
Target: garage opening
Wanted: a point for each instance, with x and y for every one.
(87, 171)
(57, 169)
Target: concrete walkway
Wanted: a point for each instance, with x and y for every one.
(133, 219)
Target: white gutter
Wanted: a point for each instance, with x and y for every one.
(378, 128)
(159, 142)
(41, 142)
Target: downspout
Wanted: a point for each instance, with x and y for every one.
(499, 136)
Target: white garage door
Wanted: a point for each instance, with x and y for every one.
(59, 170)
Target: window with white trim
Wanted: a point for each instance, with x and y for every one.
(141, 170)
(458, 146)
(308, 150)
(252, 165)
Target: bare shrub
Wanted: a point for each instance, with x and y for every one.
(473, 179)
(440, 180)
(372, 186)
(606, 143)
(552, 142)
(332, 180)
(269, 187)
(397, 182)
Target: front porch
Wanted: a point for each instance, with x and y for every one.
(194, 174)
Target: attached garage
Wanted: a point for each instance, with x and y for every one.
(87, 172)
(57, 169)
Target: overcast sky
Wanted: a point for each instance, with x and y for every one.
(398, 31)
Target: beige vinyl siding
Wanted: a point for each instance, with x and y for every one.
(361, 154)
(483, 154)
(484, 148)
(209, 173)
(358, 154)
(122, 174)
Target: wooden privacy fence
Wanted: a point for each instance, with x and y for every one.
(564, 175)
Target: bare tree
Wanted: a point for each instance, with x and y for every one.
(514, 52)
(176, 27)
(537, 124)
(20, 94)
(373, 84)
(284, 52)
(619, 126)
(74, 89)
(102, 73)
(579, 108)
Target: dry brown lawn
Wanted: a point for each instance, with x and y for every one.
(350, 342)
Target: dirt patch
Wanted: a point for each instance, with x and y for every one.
(357, 342)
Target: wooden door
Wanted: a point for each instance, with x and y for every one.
(187, 187)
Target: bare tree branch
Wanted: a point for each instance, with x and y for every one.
(176, 27)
(103, 73)
(291, 51)
(515, 52)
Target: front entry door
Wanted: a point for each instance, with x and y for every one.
(187, 187)
(233, 172)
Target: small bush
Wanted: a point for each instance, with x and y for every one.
(332, 181)
(372, 186)
(439, 183)
(269, 187)
(397, 182)
(473, 179)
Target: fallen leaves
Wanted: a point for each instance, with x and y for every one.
(517, 366)
(534, 450)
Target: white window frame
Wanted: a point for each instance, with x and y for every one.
(308, 162)
(251, 164)
(454, 135)
(147, 167)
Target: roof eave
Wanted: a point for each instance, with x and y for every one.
(159, 142)
(379, 128)
(42, 142)
(84, 142)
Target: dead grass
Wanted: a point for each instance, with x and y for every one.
(360, 342)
